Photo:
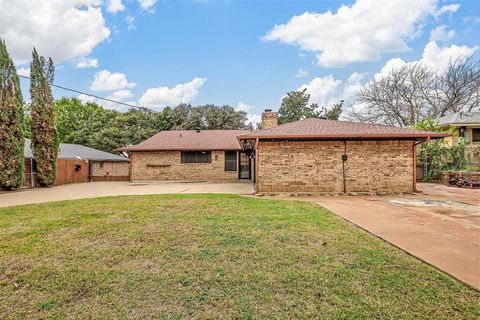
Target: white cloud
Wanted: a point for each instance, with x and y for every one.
(61, 29)
(322, 90)
(130, 23)
(147, 5)
(254, 119)
(120, 95)
(439, 57)
(115, 6)
(440, 34)
(106, 81)
(361, 32)
(472, 19)
(390, 65)
(354, 83)
(165, 96)
(301, 73)
(433, 56)
(23, 72)
(243, 107)
(86, 63)
(85, 99)
(449, 8)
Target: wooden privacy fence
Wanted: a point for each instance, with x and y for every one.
(71, 171)
(78, 171)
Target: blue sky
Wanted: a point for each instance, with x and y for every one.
(159, 53)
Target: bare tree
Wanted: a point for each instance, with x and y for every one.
(415, 91)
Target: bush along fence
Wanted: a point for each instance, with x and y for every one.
(438, 156)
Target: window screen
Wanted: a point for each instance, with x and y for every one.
(196, 156)
(476, 135)
(230, 160)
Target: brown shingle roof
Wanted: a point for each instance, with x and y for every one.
(190, 140)
(330, 129)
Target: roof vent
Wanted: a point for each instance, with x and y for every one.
(268, 110)
(198, 131)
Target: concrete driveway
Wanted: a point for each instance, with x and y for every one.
(102, 189)
(440, 226)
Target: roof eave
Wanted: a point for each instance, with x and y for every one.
(175, 149)
(349, 136)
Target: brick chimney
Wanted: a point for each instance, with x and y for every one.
(269, 119)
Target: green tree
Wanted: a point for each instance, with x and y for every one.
(207, 117)
(44, 135)
(11, 124)
(72, 116)
(224, 117)
(179, 115)
(295, 107)
(93, 126)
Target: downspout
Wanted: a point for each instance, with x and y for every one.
(344, 159)
(130, 155)
(255, 178)
(415, 163)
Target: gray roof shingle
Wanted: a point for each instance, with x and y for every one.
(76, 151)
(459, 118)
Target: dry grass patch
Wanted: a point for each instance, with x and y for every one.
(210, 256)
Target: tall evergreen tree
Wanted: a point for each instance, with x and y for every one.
(44, 135)
(11, 124)
(295, 107)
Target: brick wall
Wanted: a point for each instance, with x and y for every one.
(269, 120)
(316, 166)
(166, 165)
(110, 168)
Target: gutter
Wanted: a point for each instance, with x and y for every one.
(348, 136)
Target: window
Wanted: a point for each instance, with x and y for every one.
(101, 164)
(196, 156)
(475, 135)
(230, 160)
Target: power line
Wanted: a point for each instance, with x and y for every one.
(94, 96)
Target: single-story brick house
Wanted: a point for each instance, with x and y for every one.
(311, 155)
(77, 163)
(196, 155)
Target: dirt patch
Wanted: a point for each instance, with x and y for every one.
(444, 205)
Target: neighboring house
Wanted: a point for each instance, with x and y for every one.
(465, 124)
(311, 155)
(76, 163)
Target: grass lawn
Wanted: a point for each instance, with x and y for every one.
(210, 256)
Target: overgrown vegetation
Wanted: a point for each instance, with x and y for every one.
(11, 123)
(439, 155)
(44, 134)
(210, 256)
